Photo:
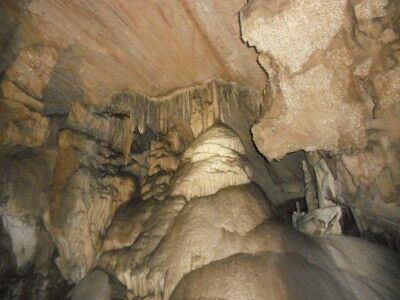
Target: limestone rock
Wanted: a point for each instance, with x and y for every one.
(115, 131)
(324, 220)
(214, 160)
(314, 103)
(127, 223)
(121, 262)
(25, 184)
(387, 89)
(20, 126)
(316, 115)
(32, 68)
(161, 158)
(83, 202)
(208, 228)
(197, 107)
(278, 275)
(276, 28)
(12, 92)
(94, 286)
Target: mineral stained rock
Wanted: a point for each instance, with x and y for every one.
(315, 97)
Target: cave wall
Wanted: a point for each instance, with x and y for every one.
(153, 173)
(333, 87)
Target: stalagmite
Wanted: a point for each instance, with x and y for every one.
(199, 149)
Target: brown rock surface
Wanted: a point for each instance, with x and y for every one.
(32, 68)
(86, 192)
(20, 126)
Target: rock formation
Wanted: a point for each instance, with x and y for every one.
(146, 153)
(334, 90)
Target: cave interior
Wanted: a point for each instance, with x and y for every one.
(199, 149)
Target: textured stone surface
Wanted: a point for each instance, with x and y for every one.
(126, 145)
(279, 274)
(214, 161)
(20, 126)
(31, 69)
(102, 35)
(85, 195)
(25, 184)
(285, 30)
(314, 103)
(13, 93)
(335, 90)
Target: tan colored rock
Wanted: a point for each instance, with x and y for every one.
(116, 131)
(370, 9)
(12, 92)
(212, 162)
(121, 262)
(127, 223)
(334, 275)
(387, 89)
(20, 126)
(161, 157)
(82, 204)
(317, 115)
(32, 68)
(324, 220)
(314, 103)
(285, 30)
(208, 228)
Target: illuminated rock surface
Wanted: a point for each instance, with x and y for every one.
(188, 149)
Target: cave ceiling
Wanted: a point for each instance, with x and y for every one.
(152, 47)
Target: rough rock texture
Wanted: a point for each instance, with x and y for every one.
(126, 149)
(25, 183)
(160, 255)
(323, 215)
(88, 187)
(207, 229)
(32, 68)
(127, 223)
(22, 122)
(214, 161)
(20, 126)
(208, 237)
(334, 90)
(313, 102)
(98, 285)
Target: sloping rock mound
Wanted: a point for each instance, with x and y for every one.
(207, 229)
(288, 265)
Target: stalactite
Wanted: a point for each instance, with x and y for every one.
(200, 106)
